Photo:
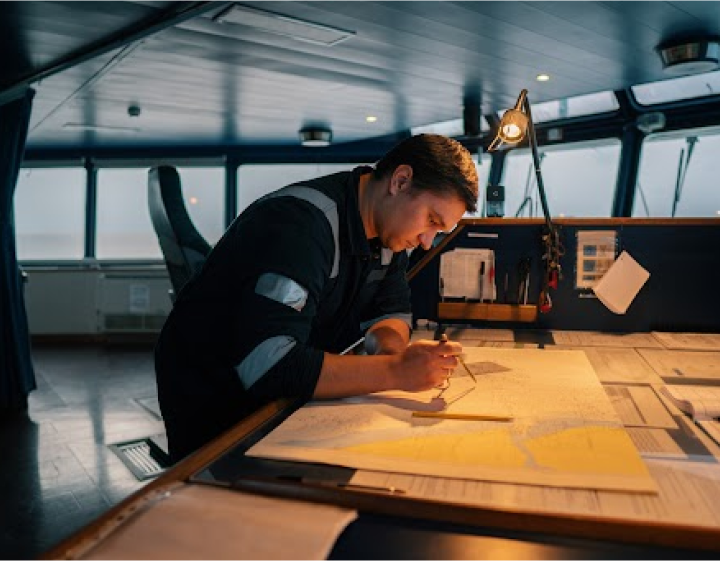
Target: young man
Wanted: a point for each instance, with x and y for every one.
(299, 276)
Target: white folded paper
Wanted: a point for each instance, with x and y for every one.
(619, 286)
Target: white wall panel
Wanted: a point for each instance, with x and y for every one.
(92, 301)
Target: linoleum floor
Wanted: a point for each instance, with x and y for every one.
(57, 473)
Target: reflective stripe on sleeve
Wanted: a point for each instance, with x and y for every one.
(262, 358)
(282, 289)
(325, 204)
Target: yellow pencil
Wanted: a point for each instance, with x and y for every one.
(461, 416)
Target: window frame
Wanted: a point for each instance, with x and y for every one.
(72, 163)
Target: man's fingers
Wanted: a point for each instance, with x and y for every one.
(448, 362)
(449, 348)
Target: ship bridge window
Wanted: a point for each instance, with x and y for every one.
(257, 180)
(567, 108)
(453, 127)
(482, 165)
(50, 213)
(124, 228)
(676, 89)
(579, 180)
(677, 176)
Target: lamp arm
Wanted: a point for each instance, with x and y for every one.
(551, 239)
(553, 247)
(536, 162)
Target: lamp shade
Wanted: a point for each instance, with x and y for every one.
(513, 126)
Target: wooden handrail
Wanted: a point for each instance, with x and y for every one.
(79, 543)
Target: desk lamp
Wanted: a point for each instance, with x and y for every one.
(515, 124)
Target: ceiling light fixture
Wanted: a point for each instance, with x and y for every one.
(315, 137)
(542, 77)
(286, 26)
(371, 118)
(689, 56)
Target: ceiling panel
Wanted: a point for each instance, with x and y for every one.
(409, 63)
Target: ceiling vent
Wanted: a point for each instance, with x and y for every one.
(690, 56)
(279, 24)
(315, 137)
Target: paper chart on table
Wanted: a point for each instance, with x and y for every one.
(619, 365)
(602, 339)
(639, 406)
(689, 341)
(689, 494)
(564, 433)
(683, 365)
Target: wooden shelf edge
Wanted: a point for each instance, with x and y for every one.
(486, 311)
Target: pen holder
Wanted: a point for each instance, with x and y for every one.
(490, 312)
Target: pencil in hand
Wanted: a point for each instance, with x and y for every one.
(444, 339)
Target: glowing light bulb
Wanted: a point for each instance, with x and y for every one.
(511, 131)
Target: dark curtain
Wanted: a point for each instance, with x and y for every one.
(17, 377)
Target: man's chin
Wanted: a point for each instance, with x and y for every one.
(395, 246)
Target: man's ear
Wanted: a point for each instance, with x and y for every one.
(401, 179)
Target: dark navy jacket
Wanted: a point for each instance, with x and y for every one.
(292, 277)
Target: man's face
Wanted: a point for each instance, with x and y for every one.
(409, 219)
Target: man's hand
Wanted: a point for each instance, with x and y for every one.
(425, 364)
(417, 367)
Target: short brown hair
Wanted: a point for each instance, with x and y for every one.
(440, 165)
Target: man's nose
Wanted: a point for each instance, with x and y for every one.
(426, 239)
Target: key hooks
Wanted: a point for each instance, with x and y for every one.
(553, 271)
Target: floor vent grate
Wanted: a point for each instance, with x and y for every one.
(142, 457)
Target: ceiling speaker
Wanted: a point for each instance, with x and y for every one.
(690, 56)
(315, 137)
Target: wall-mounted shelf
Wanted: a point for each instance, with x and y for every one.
(490, 312)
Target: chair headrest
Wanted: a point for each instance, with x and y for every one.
(168, 212)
